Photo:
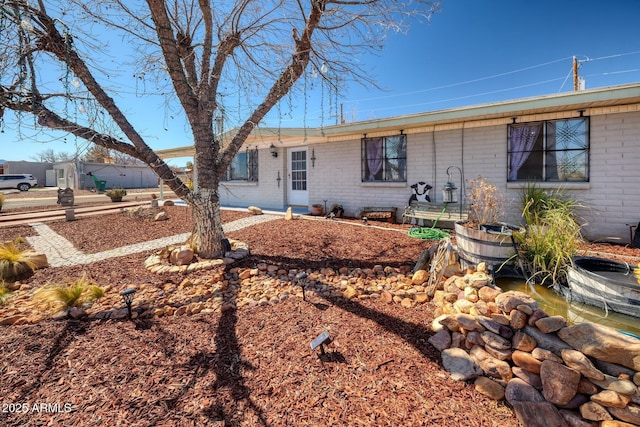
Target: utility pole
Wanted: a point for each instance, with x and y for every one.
(578, 82)
(575, 74)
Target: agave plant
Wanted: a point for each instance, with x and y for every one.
(14, 262)
(74, 294)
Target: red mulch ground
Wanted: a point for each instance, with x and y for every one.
(242, 366)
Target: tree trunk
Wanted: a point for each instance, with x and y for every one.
(208, 223)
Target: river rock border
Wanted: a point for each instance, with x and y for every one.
(551, 373)
(159, 262)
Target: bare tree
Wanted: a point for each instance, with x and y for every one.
(51, 156)
(203, 49)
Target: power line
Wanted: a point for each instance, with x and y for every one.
(587, 59)
(464, 82)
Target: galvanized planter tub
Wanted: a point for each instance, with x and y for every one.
(493, 245)
(604, 283)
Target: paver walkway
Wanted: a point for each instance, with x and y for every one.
(61, 253)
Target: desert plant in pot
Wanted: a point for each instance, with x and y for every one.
(484, 237)
(116, 194)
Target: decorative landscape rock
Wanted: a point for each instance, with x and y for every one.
(489, 388)
(578, 361)
(461, 366)
(603, 343)
(559, 382)
(530, 407)
(254, 210)
(554, 374)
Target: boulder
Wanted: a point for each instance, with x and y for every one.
(603, 343)
(559, 382)
(530, 407)
(161, 216)
(528, 377)
(468, 322)
(441, 340)
(573, 419)
(460, 365)
(510, 300)
(546, 341)
(289, 214)
(551, 324)
(490, 388)
(629, 414)
(595, 412)
(611, 399)
(526, 361)
(496, 341)
(523, 342)
(490, 365)
(254, 210)
(578, 361)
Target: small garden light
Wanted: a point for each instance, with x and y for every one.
(127, 296)
(301, 278)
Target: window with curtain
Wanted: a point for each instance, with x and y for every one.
(384, 159)
(243, 167)
(555, 150)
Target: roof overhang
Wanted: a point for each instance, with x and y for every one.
(568, 104)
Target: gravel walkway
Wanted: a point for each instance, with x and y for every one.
(61, 253)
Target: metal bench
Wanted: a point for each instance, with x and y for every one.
(379, 213)
(446, 214)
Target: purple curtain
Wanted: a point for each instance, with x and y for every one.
(374, 157)
(522, 140)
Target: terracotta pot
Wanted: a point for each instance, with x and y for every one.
(316, 210)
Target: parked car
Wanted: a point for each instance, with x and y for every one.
(21, 181)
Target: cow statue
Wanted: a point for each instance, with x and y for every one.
(420, 192)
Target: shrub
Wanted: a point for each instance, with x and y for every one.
(116, 192)
(552, 233)
(14, 261)
(5, 293)
(1, 200)
(485, 202)
(74, 294)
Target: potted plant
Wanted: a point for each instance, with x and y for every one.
(116, 194)
(483, 237)
(316, 209)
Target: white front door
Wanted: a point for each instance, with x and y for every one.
(298, 194)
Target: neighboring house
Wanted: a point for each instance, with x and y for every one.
(586, 142)
(73, 174)
(81, 175)
(37, 169)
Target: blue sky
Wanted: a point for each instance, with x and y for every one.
(472, 52)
